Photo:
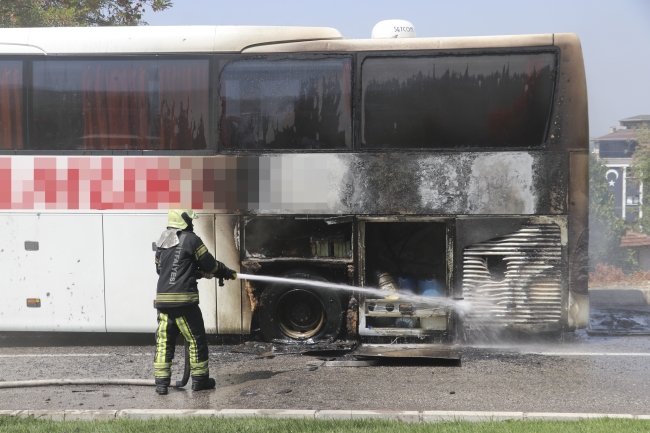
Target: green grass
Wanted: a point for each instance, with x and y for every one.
(252, 425)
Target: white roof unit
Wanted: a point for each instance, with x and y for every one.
(393, 29)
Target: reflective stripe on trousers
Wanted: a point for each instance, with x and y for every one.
(186, 320)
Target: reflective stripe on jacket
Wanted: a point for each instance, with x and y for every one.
(177, 269)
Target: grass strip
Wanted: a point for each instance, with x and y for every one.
(263, 425)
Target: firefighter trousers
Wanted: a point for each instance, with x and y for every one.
(186, 320)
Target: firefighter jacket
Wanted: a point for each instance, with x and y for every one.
(181, 256)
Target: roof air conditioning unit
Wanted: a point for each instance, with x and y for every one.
(391, 29)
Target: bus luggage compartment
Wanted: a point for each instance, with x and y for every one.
(410, 253)
(60, 270)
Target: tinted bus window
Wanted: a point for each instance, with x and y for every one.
(455, 102)
(120, 104)
(11, 104)
(286, 104)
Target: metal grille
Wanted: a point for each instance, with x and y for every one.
(515, 279)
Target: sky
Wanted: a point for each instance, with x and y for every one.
(615, 34)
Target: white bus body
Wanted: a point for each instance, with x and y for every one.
(92, 268)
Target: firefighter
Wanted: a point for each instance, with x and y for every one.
(181, 258)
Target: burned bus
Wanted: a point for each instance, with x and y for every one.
(446, 167)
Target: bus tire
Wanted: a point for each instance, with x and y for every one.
(297, 313)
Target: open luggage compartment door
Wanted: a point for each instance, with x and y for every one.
(416, 255)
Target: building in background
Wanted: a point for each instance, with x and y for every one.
(640, 244)
(616, 148)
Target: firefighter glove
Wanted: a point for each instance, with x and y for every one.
(229, 274)
(201, 274)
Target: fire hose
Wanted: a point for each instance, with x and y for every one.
(134, 382)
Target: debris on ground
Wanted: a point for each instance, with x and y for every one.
(342, 363)
(263, 350)
(620, 321)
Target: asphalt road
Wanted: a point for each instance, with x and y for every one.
(578, 374)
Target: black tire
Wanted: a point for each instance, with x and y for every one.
(293, 312)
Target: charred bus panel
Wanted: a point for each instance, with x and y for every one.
(308, 247)
(512, 270)
(514, 273)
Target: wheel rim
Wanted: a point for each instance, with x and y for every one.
(300, 314)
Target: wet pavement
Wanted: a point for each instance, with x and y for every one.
(575, 373)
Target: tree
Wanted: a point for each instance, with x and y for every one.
(605, 226)
(641, 171)
(76, 13)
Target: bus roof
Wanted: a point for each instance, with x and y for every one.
(152, 39)
(228, 39)
(408, 44)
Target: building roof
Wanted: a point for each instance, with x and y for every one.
(619, 135)
(639, 118)
(634, 239)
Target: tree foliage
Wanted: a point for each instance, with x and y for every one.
(605, 227)
(76, 13)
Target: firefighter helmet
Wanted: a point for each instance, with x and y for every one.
(180, 218)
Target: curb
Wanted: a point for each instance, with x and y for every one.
(399, 416)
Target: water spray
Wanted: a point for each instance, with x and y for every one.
(460, 306)
(481, 313)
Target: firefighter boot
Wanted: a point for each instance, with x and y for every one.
(199, 383)
(161, 386)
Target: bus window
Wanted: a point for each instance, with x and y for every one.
(114, 104)
(11, 119)
(286, 104)
(456, 101)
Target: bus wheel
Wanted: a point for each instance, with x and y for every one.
(299, 313)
